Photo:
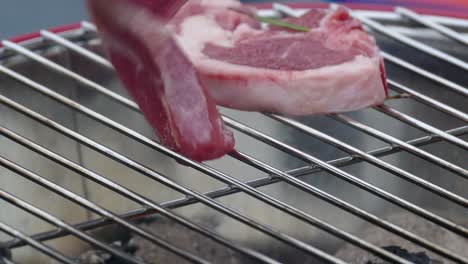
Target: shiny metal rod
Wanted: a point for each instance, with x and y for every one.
(61, 224)
(35, 244)
(429, 75)
(401, 144)
(422, 125)
(413, 43)
(164, 180)
(452, 34)
(99, 210)
(225, 191)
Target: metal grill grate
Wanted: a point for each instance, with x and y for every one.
(77, 42)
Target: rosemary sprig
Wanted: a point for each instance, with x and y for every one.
(272, 21)
(280, 23)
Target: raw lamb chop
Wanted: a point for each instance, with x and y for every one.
(160, 77)
(334, 67)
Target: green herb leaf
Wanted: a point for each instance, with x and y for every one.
(271, 21)
(281, 23)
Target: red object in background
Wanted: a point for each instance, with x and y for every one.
(450, 8)
(370, 7)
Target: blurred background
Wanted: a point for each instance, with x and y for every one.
(23, 16)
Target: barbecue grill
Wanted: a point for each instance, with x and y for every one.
(80, 168)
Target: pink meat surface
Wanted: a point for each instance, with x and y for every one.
(335, 67)
(178, 61)
(160, 77)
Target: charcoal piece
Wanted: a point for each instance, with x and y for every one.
(417, 258)
(411, 223)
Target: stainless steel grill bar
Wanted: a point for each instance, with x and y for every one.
(164, 180)
(78, 49)
(98, 210)
(312, 190)
(394, 17)
(429, 75)
(420, 32)
(430, 24)
(269, 200)
(56, 67)
(347, 206)
(346, 176)
(93, 176)
(59, 223)
(121, 190)
(222, 192)
(384, 151)
(407, 147)
(422, 126)
(204, 171)
(384, 254)
(429, 101)
(375, 161)
(263, 197)
(35, 244)
(413, 43)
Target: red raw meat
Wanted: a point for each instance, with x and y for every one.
(160, 77)
(335, 67)
(166, 65)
